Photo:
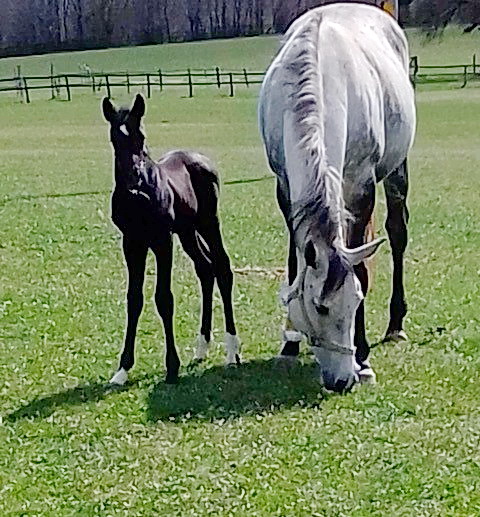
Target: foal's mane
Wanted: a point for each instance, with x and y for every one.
(153, 181)
(322, 200)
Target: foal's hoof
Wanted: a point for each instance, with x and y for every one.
(232, 349)
(120, 377)
(395, 336)
(201, 348)
(171, 378)
(194, 363)
(232, 362)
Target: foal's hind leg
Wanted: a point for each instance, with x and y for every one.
(135, 256)
(396, 188)
(361, 210)
(204, 270)
(210, 231)
(164, 301)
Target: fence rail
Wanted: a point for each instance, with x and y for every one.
(431, 74)
(62, 85)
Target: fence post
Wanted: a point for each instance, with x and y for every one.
(128, 82)
(465, 76)
(52, 85)
(107, 83)
(414, 63)
(230, 76)
(160, 79)
(246, 77)
(474, 64)
(149, 87)
(93, 83)
(27, 95)
(190, 83)
(69, 97)
(217, 70)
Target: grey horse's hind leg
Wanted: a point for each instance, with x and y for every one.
(396, 189)
(361, 209)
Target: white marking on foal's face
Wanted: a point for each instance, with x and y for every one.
(124, 130)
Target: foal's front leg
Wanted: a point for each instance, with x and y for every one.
(135, 253)
(165, 306)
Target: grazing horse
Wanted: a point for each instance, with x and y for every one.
(151, 201)
(337, 115)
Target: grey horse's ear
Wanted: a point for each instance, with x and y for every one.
(357, 255)
(137, 111)
(108, 109)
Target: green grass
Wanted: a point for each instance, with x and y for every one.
(248, 441)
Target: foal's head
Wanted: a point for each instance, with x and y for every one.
(127, 138)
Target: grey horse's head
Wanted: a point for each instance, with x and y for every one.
(322, 303)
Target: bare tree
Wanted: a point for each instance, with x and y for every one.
(33, 25)
(435, 15)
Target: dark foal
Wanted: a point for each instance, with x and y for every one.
(151, 201)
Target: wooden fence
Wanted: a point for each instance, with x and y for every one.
(63, 85)
(433, 74)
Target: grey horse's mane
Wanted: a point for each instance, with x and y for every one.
(322, 201)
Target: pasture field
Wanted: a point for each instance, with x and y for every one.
(250, 440)
(453, 48)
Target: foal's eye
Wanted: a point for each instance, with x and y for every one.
(322, 310)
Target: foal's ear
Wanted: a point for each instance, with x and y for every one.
(357, 255)
(138, 109)
(108, 109)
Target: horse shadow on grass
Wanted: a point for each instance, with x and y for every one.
(43, 407)
(250, 388)
(204, 394)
